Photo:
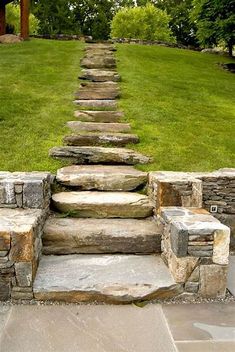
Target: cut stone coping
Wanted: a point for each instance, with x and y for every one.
(90, 236)
(99, 155)
(101, 177)
(99, 75)
(92, 204)
(102, 139)
(95, 103)
(99, 116)
(18, 220)
(103, 278)
(78, 126)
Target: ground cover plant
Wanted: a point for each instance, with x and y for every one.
(182, 105)
(37, 82)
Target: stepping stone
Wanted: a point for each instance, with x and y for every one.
(102, 104)
(90, 236)
(98, 116)
(101, 177)
(98, 155)
(103, 204)
(78, 126)
(98, 63)
(115, 139)
(104, 278)
(100, 94)
(100, 75)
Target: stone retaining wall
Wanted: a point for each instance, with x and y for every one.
(154, 42)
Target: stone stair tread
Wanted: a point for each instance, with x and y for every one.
(101, 177)
(98, 62)
(98, 85)
(100, 46)
(90, 236)
(78, 126)
(97, 103)
(98, 116)
(98, 155)
(103, 278)
(93, 204)
(102, 139)
(96, 75)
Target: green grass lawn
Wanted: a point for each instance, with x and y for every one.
(181, 104)
(37, 82)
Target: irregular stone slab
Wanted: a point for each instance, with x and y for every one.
(100, 75)
(99, 85)
(99, 116)
(103, 204)
(90, 236)
(87, 328)
(98, 62)
(100, 94)
(103, 278)
(115, 139)
(101, 177)
(98, 155)
(100, 46)
(100, 104)
(78, 126)
(10, 39)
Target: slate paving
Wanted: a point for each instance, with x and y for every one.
(99, 328)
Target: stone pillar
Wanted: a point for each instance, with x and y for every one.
(2, 19)
(24, 6)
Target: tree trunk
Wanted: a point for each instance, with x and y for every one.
(24, 6)
(230, 49)
(2, 19)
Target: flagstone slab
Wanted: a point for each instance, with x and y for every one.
(78, 126)
(99, 116)
(95, 103)
(98, 155)
(103, 278)
(102, 139)
(96, 75)
(98, 93)
(92, 204)
(101, 177)
(90, 236)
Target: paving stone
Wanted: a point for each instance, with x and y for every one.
(102, 139)
(100, 94)
(5, 312)
(87, 328)
(99, 116)
(98, 155)
(90, 236)
(207, 346)
(100, 75)
(109, 104)
(78, 126)
(103, 204)
(103, 278)
(195, 322)
(101, 177)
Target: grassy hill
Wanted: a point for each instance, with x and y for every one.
(181, 104)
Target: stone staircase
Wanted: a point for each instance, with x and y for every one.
(101, 242)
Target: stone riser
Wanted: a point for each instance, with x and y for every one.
(95, 139)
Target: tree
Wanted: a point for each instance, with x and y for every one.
(13, 20)
(142, 22)
(215, 20)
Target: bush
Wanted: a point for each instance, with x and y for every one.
(142, 22)
(13, 20)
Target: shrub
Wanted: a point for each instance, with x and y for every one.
(142, 22)
(13, 20)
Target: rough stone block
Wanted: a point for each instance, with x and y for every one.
(221, 246)
(24, 274)
(213, 280)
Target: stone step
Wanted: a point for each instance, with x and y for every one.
(99, 75)
(103, 278)
(99, 85)
(98, 94)
(100, 46)
(78, 126)
(98, 62)
(102, 139)
(97, 104)
(92, 204)
(101, 177)
(98, 155)
(99, 116)
(91, 236)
